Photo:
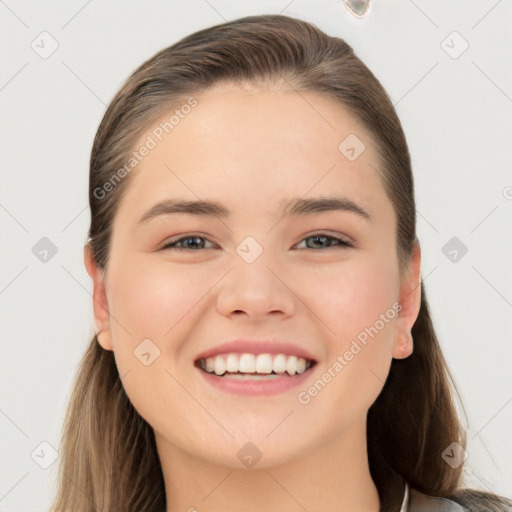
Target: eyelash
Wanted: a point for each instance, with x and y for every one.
(343, 244)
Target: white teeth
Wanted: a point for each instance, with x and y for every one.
(232, 363)
(251, 364)
(279, 364)
(291, 365)
(210, 364)
(264, 363)
(219, 366)
(247, 363)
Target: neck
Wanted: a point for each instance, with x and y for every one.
(333, 477)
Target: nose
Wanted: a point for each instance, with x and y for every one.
(256, 290)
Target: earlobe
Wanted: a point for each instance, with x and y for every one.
(99, 296)
(105, 339)
(404, 346)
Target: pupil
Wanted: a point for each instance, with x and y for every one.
(316, 238)
(193, 238)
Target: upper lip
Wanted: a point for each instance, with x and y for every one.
(250, 345)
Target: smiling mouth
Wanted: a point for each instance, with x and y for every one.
(246, 366)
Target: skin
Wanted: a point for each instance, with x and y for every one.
(264, 147)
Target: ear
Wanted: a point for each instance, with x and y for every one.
(99, 296)
(410, 299)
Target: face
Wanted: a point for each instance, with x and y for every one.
(322, 282)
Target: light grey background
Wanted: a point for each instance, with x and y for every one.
(456, 113)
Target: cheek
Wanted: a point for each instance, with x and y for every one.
(154, 298)
(160, 302)
(352, 297)
(359, 308)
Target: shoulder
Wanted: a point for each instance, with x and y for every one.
(464, 500)
(482, 501)
(419, 502)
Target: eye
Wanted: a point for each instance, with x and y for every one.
(320, 241)
(197, 243)
(324, 241)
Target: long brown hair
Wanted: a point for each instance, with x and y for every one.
(108, 458)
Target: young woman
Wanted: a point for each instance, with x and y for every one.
(264, 339)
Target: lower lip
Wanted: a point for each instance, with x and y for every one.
(263, 387)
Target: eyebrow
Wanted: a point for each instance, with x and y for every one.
(296, 207)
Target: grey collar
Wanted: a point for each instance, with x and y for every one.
(415, 501)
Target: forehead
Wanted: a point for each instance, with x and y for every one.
(256, 148)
